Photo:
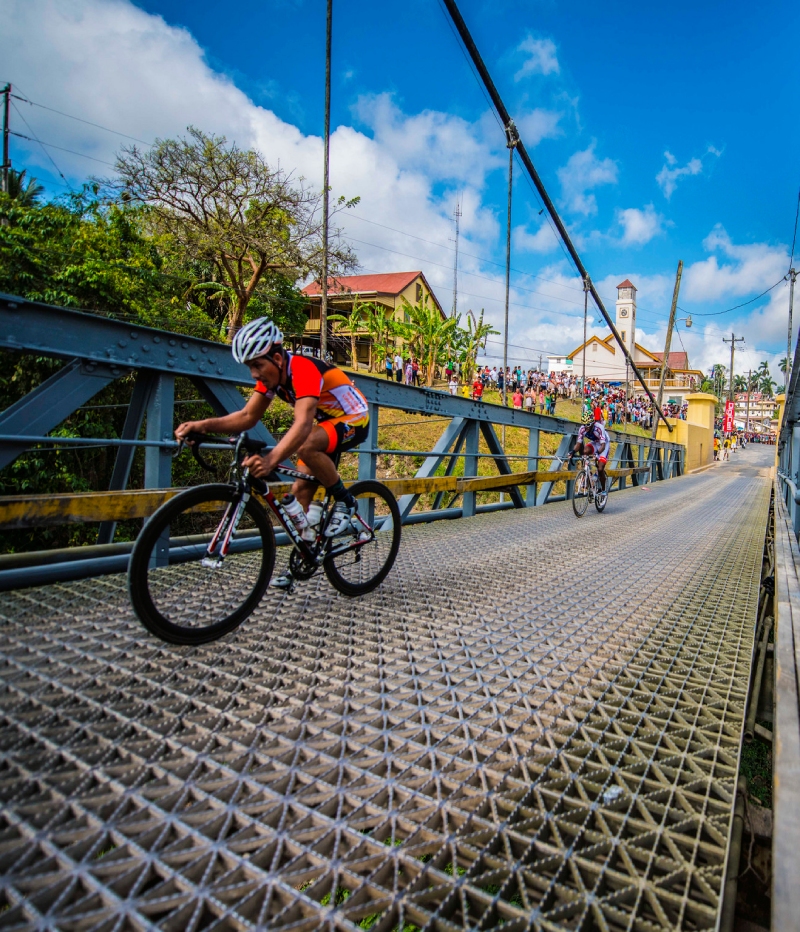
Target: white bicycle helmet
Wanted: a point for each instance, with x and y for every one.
(255, 339)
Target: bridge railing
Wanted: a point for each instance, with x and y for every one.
(98, 351)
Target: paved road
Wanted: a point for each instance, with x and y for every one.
(536, 718)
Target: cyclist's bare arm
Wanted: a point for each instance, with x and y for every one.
(234, 423)
(295, 438)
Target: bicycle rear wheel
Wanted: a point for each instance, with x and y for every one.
(580, 497)
(179, 592)
(361, 559)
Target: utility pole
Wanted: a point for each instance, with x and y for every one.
(627, 374)
(747, 412)
(457, 218)
(672, 311)
(323, 308)
(512, 138)
(792, 277)
(583, 351)
(733, 341)
(6, 131)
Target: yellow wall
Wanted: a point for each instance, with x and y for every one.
(696, 433)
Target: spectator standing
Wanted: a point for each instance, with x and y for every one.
(517, 399)
(415, 371)
(477, 389)
(398, 367)
(389, 365)
(409, 371)
(529, 402)
(453, 385)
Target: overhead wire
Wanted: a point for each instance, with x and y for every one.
(36, 139)
(51, 145)
(70, 116)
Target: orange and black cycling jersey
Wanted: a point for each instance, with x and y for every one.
(308, 377)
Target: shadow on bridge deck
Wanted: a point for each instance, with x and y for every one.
(535, 718)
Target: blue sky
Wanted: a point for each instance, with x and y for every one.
(662, 132)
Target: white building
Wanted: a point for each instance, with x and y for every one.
(760, 415)
(606, 361)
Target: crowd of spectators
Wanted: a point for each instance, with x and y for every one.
(536, 391)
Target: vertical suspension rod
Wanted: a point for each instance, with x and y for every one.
(475, 55)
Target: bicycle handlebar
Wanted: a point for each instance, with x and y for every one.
(196, 439)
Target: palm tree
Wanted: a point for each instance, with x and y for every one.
(718, 373)
(427, 334)
(766, 385)
(381, 328)
(784, 364)
(355, 322)
(25, 193)
(739, 383)
(469, 341)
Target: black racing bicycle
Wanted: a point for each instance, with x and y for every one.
(203, 561)
(586, 488)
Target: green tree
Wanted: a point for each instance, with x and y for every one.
(766, 385)
(226, 206)
(470, 340)
(784, 364)
(719, 374)
(356, 323)
(427, 334)
(79, 252)
(381, 328)
(25, 192)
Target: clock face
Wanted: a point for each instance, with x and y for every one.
(623, 312)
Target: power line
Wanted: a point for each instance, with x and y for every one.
(51, 145)
(736, 306)
(36, 139)
(80, 120)
(470, 255)
(473, 275)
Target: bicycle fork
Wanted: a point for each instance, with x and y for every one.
(224, 533)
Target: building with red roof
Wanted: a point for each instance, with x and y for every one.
(386, 289)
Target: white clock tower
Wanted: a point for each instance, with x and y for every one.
(626, 314)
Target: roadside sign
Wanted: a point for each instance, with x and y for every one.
(727, 421)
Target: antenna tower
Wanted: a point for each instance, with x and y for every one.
(457, 218)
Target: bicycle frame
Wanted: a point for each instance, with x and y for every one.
(312, 552)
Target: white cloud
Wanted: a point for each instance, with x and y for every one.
(669, 175)
(639, 226)
(751, 268)
(542, 241)
(540, 57)
(155, 81)
(539, 124)
(582, 173)
(444, 147)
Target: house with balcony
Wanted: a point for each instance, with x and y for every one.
(385, 289)
(755, 412)
(605, 360)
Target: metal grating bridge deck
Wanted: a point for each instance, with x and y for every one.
(534, 723)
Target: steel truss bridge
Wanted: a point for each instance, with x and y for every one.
(534, 723)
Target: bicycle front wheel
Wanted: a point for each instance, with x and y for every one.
(180, 588)
(361, 559)
(580, 497)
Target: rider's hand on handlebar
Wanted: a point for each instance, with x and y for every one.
(259, 466)
(183, 430)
